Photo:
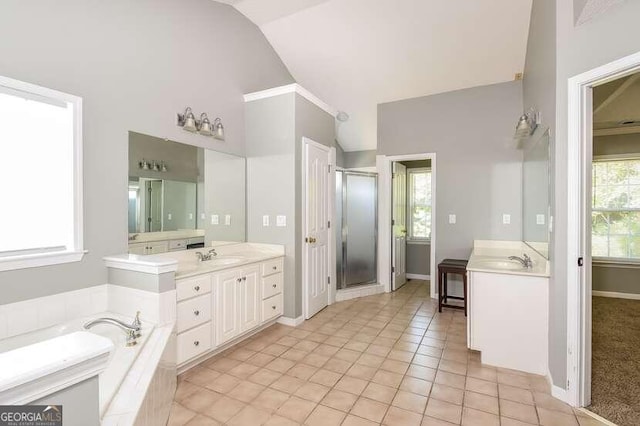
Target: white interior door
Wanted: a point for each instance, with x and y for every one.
(399, 226)
(316, 227)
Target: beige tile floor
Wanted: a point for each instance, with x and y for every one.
(388, 359)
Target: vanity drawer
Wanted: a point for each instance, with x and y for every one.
(271, 285)
(177, 245)
(272, 267)
(192, 287)
(272, 307)
(194, 342)
(193, 312)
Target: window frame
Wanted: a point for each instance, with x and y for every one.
(410, 238)
(49, 256)
(611, 260)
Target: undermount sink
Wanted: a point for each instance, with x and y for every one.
(224, 260)
(504, 264)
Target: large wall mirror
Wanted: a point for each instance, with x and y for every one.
(183, 194)
(535, 194)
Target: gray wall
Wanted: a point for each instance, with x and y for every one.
(179, 201)
(606, 38)
(275, 127)
(478, 169)
(355, 159)
(271, 129)
(135, 64)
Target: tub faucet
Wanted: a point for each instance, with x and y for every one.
(525, 260)
(132, 330)
(206, 256)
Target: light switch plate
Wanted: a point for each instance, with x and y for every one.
(190, 216)
(265, 220)
(215, 219)
(169, 216)
(452, 219)
(506, 219)
(203, 216)
(539, 219)
(227, 219)
(281, 220)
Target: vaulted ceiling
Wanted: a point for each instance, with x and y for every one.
(356, 54)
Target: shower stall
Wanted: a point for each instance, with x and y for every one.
(357, 228)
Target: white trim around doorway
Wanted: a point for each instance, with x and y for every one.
(383, 165)
(579, 288)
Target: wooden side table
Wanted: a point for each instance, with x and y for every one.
(451, 266)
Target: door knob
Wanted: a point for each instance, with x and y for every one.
(196, 313)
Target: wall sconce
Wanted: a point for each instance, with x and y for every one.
(153, 165)
(203, 126)
(527, 124)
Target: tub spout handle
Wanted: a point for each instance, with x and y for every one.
(137, 324)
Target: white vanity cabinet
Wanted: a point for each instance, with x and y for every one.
(226, 305)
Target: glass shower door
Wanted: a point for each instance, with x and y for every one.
(359, 229)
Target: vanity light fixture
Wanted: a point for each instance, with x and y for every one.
(203, 126)
(153, 165)
(218, 129)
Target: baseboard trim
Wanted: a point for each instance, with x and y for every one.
(616, 295)
(419, 277)
(595, 416)
(291, 322)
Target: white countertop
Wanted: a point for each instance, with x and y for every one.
(229, 256)
(485, 252)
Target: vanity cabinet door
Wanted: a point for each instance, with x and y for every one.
(228, 315)
(250, 298)
(158, 247)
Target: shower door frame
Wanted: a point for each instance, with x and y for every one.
(343, 272)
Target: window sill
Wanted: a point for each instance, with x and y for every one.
(615, 263)
(40, 259)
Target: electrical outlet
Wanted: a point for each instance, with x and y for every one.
(281, 220)
(265, 220)
(169, 216)
(452, 219)
(540, 219)
(506, 219)
(227, 219)
(190, 216)
(215, 219)
(203, 216)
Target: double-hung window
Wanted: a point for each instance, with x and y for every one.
(615, 210)
(419, 204)
(40, 176)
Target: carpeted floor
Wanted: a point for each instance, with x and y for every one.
(615, 385)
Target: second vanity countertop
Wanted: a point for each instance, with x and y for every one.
(493, 257)
(229, 256)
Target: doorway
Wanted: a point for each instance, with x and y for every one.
(407, 208)
(600, 231)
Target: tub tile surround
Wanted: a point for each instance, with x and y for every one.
(387, 359)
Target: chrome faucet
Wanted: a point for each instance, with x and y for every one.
(132, 330)
(206, 256)
(525, 260)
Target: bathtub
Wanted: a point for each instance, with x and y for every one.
(121, 357)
